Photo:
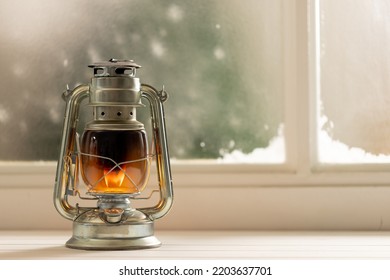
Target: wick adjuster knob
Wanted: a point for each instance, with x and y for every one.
(113, 215)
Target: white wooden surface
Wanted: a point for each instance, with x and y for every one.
(15, 245)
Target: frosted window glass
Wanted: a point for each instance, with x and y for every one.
(355, 81)
(221, 61)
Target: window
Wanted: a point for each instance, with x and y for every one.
(354, 66)
(241, 92)
(223, 65)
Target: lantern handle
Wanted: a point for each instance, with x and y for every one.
(156, 99)
(61, 187)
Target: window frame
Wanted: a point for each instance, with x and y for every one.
(301, 173)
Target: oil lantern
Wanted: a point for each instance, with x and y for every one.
(112, 157)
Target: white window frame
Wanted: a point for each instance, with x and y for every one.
(199, 179)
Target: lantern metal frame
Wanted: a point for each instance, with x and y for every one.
(133, 229)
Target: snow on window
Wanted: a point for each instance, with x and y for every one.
(274, 153)
(335, 152)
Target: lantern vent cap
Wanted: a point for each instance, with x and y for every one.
(115, 68)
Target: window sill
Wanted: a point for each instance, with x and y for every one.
(224, 198)
(190, 245)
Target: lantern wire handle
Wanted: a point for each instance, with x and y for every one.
(61, 191)
(155, 99)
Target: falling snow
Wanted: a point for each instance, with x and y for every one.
(219, 53)
(157, 48)
(4, 115)
(175, 13)
(55, 115)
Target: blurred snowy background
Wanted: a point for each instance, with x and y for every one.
(221, 62)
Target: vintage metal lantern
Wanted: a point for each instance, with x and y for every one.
(113, 159)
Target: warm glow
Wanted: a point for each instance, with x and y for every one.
(131, 178)
(115, 162)
(114, 178)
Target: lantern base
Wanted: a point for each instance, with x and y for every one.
(90, 232)
(113, 244)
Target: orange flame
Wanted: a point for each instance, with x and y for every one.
(114, 178)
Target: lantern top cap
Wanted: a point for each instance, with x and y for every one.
(115, 68)
(113, 62)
